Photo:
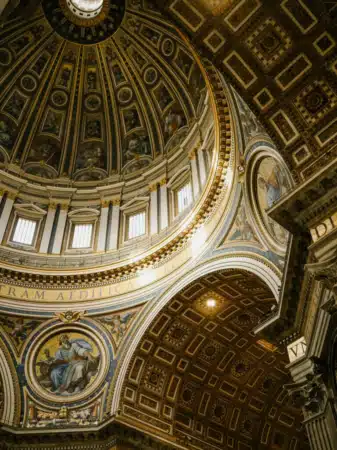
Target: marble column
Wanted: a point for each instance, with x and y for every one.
(202, 166)
(103, 226)
(114, 225)
(154, 209)
(48, 228)
(60, 227)
(195, 176)
(163, 204)
(6, 212)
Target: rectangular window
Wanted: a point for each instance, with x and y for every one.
(82, 235)
(184, 197)
(136, 225)
(24, 231)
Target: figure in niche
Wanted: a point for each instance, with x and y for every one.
(173, 121)
(40, 64)
(15, 105)
(131, 120)
(5, 137)
(20, 43)
(65, 77)
(164, 97)
(110, 54)
(138, 145)
(184, 62)
(140, 61)
(118, 74)
(52, 124)
(93, 129)
(90, 157)
(71, 369)
(91, 80)
(45, 153)
(151, 35)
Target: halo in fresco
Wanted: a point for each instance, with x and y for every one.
(67, 363)
(272, 184)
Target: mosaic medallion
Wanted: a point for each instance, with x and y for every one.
(93, 102)
(150, 76)
(124, 95)
(168, 47)
(67, 364)
(5, 57)
(59, 98)
(28, 83)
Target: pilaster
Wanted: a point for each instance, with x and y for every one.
(163, 204)
(114, 225)
(60, 227)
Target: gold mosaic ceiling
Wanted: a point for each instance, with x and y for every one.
(282, 58)
(94, 102)
(201, 375)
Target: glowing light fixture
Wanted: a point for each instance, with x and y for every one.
(211, 303)
(85, 9)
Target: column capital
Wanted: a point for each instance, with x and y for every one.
(116, 202)
(310, 394)
(325, 271)
(163, 181)
(192, 154)
(12, 195)
(153, 187)
(105, 203)
(64, 206)
(52, 205)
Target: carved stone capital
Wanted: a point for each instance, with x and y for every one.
(192, 154)
(310, 394)
(325, 271)
(153, 187)
(116, 202)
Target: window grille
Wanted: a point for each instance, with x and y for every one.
(136, 225)
(24, 231)
(184, 197)
(82, 235)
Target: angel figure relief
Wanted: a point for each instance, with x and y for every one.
(18, 328)
(73, 366)
(118, 324)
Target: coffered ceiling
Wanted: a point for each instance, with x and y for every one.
(201, 376)
(281, 56)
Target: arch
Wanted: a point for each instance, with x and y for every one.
(255, 265)
(11, 389)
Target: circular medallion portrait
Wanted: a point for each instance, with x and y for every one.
(67, 365)
(272, 184)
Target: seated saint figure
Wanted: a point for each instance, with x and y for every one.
(71, 368)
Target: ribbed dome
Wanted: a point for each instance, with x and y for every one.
(93, 98)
